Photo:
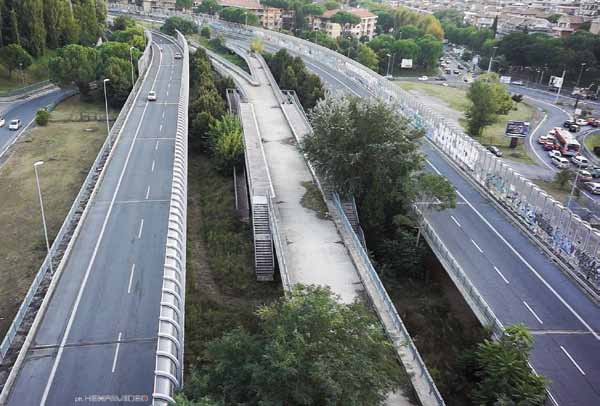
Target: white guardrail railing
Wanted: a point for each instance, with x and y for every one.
(168, 374)
(65, 233)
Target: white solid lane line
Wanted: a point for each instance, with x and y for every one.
(152, 170)
(531, 268)
(141, 228)
(160, 128)
(501, 275)
(532, 312)
(131, 278)
(456, 221)
(156, 146)
(477, 246)
(114, 365)
(93, 258)
(572, 360)
(148, 193)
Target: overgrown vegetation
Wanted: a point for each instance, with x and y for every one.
(307, 349)
(291, 74)
(182, 25)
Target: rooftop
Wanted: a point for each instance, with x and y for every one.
(359, 12)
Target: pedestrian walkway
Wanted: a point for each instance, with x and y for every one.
(315, 253)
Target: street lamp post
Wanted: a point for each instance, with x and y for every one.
(106, 110)
(573, 189)
(387, 72)
(580, 73)
(131, 60)
(37, 181)
(491, 60)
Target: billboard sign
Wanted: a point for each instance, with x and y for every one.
(555, 81)
(406, 63)
(505, 79)
(517, 129)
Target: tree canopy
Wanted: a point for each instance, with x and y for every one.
(13, 56)
(488, 98)
(366, 149)
(344, 17)
(308, 349)
(182, 25)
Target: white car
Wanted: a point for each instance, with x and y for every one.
(554, 153)
(581, 122)
(2, 121)
(14, 124)
(423, 78)
(580, 161)
(177, 55)
(152, 95)
(517, 82)
(560, 162)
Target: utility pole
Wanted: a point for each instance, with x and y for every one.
(560, 87)
(491, 60)
(580, 73)
(387, 72)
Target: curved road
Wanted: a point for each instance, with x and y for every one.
(25, 111)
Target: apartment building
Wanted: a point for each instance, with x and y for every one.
(269, 17)
(365, 28)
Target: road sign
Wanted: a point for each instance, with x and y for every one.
(555, 81)
(517, 129)
(406, 63)
(505, 79)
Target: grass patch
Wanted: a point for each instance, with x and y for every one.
(559, 194)
(457, 100)
(313, 200)
(592, 141)
(76, 108)
(37, 72)
(222, 291)
(221, 50)
(442, 326)
(68, 150)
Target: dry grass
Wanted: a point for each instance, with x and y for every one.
(68, 151)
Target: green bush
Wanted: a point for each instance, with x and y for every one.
(205, 32)
(41, 117)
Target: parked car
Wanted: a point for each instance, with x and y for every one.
(584, 176)
(495, 150)
(152, 95)
(14, 124)
(560, 162)
(595, 171)
(573, 128)
(423, 78)
(441, 78)
(581, 121)
(448, 71)
(568, 123)
(580, 161)
(456, 72)
(551, 146)
(517, 82)
(594, 122)
(546, 139)
(2, 121)
(593, 187)
(554, 153)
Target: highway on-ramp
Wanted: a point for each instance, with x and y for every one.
(25, 111)
(96, 343)
(519, 282)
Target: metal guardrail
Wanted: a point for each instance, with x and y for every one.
(429, 394)
(280, 246)
(168, 374)
(25, 89)
(71, 220)
(272, 81)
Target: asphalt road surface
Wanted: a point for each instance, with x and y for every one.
(519, 282)
(97, 341)
(25, 111)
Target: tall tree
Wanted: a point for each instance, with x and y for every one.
(74, 64)
(31, 26)
(71, 29)
(13, 56)
(54, 19)
(85, 15)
